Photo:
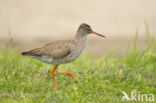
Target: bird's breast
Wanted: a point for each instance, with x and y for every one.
(77, 50)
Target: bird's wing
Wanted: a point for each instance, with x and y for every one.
(56, 50)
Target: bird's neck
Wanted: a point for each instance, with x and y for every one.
(80, 38)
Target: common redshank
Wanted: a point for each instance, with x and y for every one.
(62, 51)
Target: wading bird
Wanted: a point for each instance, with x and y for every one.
(63, 51)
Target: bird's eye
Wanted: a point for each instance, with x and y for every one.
(88, 28)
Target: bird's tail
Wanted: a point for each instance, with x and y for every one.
(29, 54)
(34, 52)
(26, 53)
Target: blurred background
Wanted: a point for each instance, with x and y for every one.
(33, 23)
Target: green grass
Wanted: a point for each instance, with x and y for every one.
(99, 79)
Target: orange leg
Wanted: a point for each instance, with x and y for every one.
(53, 75)
(69, 73)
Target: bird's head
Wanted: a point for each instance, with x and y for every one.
(85, 29)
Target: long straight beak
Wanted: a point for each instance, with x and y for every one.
(93, 32)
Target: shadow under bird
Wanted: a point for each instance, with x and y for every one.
(62, 51)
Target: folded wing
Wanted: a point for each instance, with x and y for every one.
(56, 50)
